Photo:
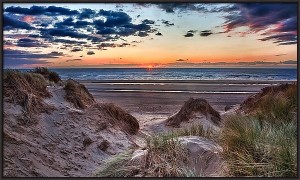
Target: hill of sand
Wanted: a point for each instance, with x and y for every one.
(66, 141)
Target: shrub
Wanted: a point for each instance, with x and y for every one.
(53, 76)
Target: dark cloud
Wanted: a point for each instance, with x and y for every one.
(76, 49)
(41, 10)
(26, 42)
(189, 34)
(55, 53)
(81, 24)
(147, 21)
(136, 41)
(158, 34)
(11, 23)
(112, 26)
(181, 7)
(167, 23)
(70, 22)
(90, 53)
(18, 58)
(34, 10)
(143, 34)
(114, 18)
(53, 10)
(71, 60)
(103, 45)
(119, 23)
(66, 22)
(287, 43)
(281, 38)
(34, 35)
(86, 14)
(123, 45)
(67, 41)
(192, 31)
(63, 32)
(260, 16)
(206, 33)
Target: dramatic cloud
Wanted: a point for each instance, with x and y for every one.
(282, 38)
(41, 10)
(66, 41)
(90, 53)
(19, 58)
(280, 20)
(63, 33)
(25, 42)
(182, 7)
(10, 23)
(101, 25)
(206, 33)
(86, 14)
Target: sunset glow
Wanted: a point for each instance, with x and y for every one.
(150, 35)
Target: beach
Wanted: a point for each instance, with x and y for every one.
(153, 101)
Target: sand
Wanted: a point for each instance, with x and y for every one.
(152, 101)
(55, 146)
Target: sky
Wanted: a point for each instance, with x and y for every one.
(152, 35)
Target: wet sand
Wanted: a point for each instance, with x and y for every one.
(166, 97)
(153, 101)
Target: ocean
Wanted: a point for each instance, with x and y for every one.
(177, 73)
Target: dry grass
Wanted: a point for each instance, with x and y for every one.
(253, 148)
(119, 117)
(77, 94)
(166, 157)
(264, 143)
(27, 90)
(189, 108)
(50, 75)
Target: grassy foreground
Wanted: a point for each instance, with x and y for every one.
(262, 143)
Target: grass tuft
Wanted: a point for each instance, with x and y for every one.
(256, 149)
(166, 157)
(27, 90)
(50, 75)
(77, 94)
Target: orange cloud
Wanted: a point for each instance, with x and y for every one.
(28, 19)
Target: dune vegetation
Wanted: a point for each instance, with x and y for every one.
(27, 90)
(263, 143)
(259, 143)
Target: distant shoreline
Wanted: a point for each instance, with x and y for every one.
(192, 81)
